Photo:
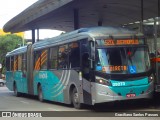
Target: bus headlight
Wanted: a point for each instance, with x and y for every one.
(103, 81)
(151, 78)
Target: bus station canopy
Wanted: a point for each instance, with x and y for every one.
(67, 15)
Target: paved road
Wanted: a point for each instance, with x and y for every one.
(8, 102)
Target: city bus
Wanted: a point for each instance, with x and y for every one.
(87, 66)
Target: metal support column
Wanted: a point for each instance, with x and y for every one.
(158, 8)
(156, 26)
(33, 36)
(155, 44)
(157, 82)
(37, 35)
(142, 16)
(76, 19)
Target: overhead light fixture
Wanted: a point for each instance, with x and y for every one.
(137, 22)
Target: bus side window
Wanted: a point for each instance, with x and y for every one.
(44, 55)
(37, 60)
(24, 64)
(53, 58)
(12, 63)
(63, 57)
(8, 63)
(19, 62)
(15, 66)
(74, 55)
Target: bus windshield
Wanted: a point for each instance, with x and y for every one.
(122, 60)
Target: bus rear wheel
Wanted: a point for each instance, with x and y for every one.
(40, 94)
(76, 99)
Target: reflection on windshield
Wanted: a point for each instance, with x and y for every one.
(122, 60)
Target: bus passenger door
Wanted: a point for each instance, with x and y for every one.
(85, 68)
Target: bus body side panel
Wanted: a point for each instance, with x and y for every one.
(50, 83)
(24, 83)
(75, 81)
(18, 78)
(141, 88)
(56, 84)
(19, 81)
(87, 96)
(9, 80)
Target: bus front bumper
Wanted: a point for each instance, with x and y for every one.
(103, 93)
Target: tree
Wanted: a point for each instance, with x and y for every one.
(7, 44)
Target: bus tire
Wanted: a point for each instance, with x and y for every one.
(76, 99)
(40, 94)
(16, 93)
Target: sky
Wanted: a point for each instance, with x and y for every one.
(10, 8)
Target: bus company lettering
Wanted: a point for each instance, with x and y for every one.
(43, 76)
(127, 42)
(120, 42)
(114, 68)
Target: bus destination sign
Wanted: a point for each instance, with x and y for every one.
(110, 42)
(121, 42)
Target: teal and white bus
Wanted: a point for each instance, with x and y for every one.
(86, 66)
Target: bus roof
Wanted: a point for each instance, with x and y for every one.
(76, 35)
(93, 32)
(17, 51)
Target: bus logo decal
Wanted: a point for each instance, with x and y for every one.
(41, 60)
(60, 79)
(59, 87)
(132, 69)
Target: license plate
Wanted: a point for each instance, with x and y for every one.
(131, 95)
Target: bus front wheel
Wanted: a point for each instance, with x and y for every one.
(40, 94)
(76, 99)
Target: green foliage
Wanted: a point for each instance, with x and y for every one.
(7, 44)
